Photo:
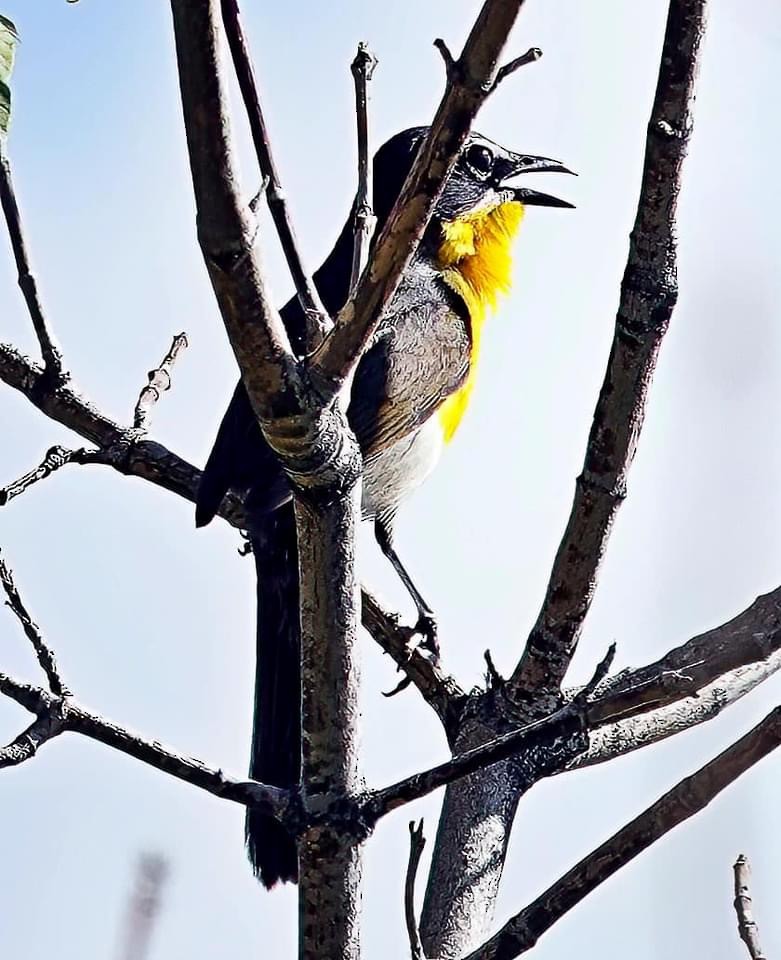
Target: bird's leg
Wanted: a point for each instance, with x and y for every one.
(427, 624)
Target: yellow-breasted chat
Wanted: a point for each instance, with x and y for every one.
(409, 394)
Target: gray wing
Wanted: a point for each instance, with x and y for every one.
(421, 357)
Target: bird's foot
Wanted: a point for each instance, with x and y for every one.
(426, 628)
(423, 636)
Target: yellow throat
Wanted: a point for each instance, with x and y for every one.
(477, 264)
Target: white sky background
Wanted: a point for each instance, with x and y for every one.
(153, 622)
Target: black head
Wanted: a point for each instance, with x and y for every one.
(478, 181)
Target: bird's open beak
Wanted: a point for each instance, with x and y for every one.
(516, 165)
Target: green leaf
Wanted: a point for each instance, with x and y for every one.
(8, 38)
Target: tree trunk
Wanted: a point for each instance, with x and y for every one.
(469, 853)
(329, 860)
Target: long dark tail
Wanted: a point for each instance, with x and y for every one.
(276, 732)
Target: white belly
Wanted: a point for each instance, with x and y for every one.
(390, 476)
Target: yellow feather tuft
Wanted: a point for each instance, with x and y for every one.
(476, 256)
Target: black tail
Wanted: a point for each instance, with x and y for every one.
(276, 733)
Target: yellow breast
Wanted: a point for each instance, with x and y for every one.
(476, 258)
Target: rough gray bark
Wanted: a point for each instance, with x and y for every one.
(468, 856)
(685, 799)
(330, 864)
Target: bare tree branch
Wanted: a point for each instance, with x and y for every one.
(626, 736)
(259, 340)
(57, 711)
(648, 295)
(26, 745)
(752, 636)
(747, 925)
(569, 725)
(119, 446)
(317, 319)
(50, 351)
(54, 458)
(416, 844)
(362, 69)
(65, 714)
(470, 82)
(159, 382)
(687, 798)
(43, 652)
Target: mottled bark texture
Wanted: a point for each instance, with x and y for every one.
(684, 800)
(330, 865)
(469, 854)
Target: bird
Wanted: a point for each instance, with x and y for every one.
(409, 394)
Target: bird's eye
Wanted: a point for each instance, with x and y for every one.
(480, 159)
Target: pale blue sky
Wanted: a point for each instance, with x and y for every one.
(153, 622)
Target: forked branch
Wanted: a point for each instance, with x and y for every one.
(687, 798)
(470, 81)
(753, 636)
(225, 232)
(317, 320)
(56, 712)
(649, 727)
(567, 728)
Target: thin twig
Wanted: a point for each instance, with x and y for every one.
(318, 321)
(532, 55)
(43, 651)
(159, 382)
(73, 717)
(416, 844)
(362, 69)
(493, 678)
(50, 351)
(747, 925)
(226, 235)
(687, 798)
(119, 447)
(568, 724)
(26, 745)
(468, 86)
(648, 295)
(54, 458)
